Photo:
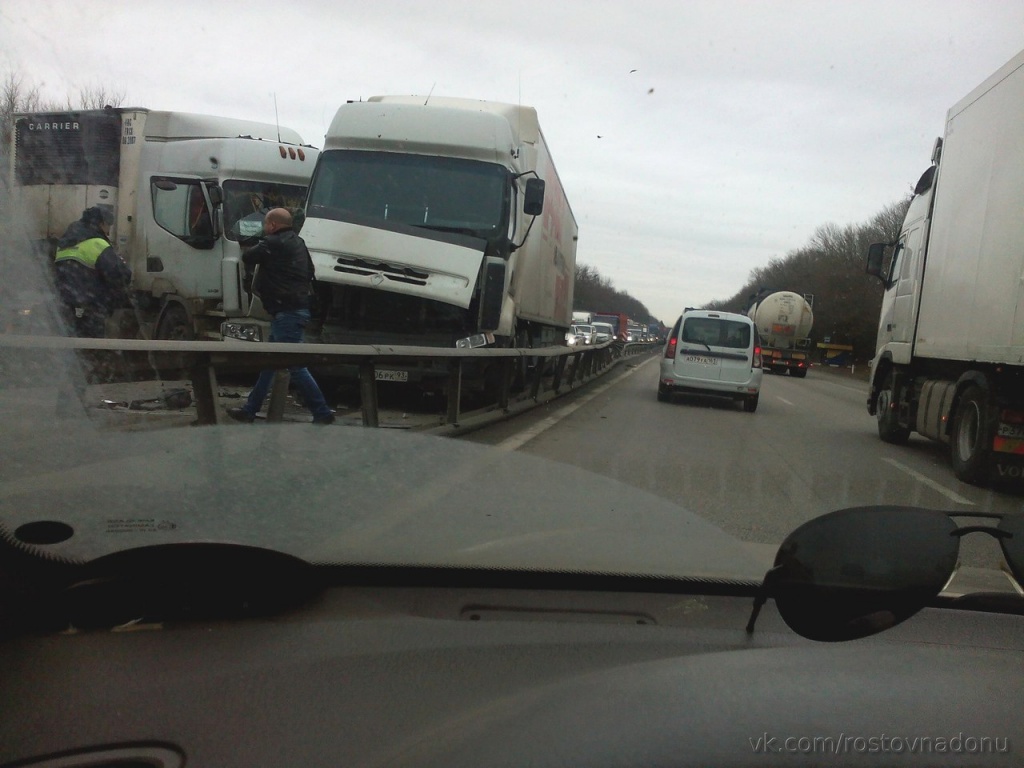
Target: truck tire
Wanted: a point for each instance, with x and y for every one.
(971, 438)
(800, 373)
(750, 404)
(889, 428)
(175, 325)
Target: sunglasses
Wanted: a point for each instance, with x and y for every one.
(856, 572)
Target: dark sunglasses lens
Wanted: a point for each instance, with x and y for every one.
(858, 571)
(1013, 547)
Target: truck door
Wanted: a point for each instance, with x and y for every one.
(896, 324)
(183, 247)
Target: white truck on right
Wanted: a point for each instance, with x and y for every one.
(949, 360)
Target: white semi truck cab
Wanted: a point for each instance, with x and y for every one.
(440, 222)
(184, 189)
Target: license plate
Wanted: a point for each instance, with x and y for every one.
(701, 360)
(1015, 431)
(383, 374)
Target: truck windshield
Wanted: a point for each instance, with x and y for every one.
(440, 193)
(247, 202)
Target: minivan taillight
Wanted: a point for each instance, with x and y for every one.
(757, 357)
(670, 350)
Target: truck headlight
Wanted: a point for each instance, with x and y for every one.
(241, 331)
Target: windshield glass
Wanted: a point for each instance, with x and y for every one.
(439, 193)
(247, 202)
(721, 157)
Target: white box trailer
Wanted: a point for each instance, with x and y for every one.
(183, 188)
(949, 362)
(440, 222)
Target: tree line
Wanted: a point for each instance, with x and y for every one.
(594, 293)
(830, 267)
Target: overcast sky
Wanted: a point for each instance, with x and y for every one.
(695, 140)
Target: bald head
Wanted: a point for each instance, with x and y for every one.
(277, 219)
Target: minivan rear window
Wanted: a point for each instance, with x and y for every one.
(716, 332)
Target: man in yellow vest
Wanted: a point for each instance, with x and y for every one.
(91, 278)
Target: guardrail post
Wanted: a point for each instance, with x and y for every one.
(204, 391)
(559, 370)
(278, 396)
(506, 367)
(538, 378)
(454, 390)
(579, 367)
(368, 394)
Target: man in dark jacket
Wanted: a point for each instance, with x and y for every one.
(92, 279)
(284, 283)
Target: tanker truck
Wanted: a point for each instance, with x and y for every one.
(783, 320)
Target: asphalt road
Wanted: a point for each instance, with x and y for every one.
(810, 448)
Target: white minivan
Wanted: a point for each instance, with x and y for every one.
(712, 353)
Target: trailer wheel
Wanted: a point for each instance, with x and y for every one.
(971, 443)
(889, 427)
(750, 404)
(174, 325)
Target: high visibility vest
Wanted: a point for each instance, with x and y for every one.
(86, 252)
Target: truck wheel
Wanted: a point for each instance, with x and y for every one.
(971, 443)
(750, 404)
(800, 373)
(174, 325)
(889, 428)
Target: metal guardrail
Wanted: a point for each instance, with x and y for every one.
(552, 371)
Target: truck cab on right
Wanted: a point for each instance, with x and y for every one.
(949, 359)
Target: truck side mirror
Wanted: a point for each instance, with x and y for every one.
(216, 195)
(876, 260)
(533, 202)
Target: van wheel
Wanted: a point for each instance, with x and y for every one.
(889, 428)
(971, 443)
(663, 395)
(750, 404)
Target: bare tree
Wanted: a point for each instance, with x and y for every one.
(97, 97)
(16, 95)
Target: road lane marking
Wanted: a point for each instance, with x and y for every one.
(953, 496)
(517, 441)
(784, 400)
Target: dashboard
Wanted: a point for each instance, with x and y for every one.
(414, 676)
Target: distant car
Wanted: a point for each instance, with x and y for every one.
(573, 337)
(603, 332)
(587, 331)
(712, 353)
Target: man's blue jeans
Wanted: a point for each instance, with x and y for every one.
(287, 327)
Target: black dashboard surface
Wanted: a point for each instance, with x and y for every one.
(428, 677)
